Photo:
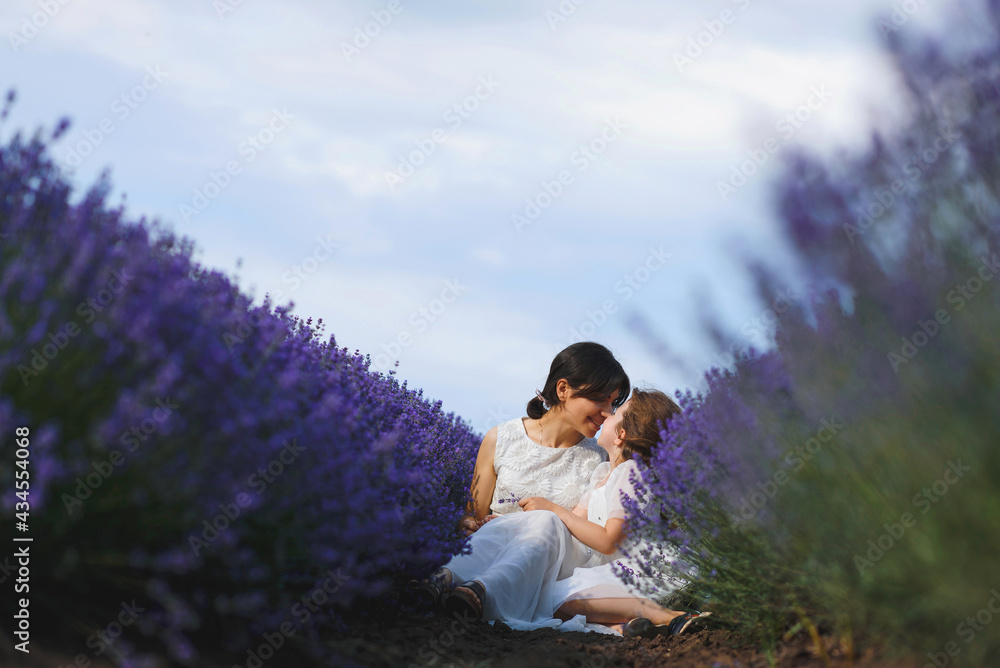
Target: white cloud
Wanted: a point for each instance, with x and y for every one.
(326, 173)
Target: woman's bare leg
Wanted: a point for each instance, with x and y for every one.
(616, 610)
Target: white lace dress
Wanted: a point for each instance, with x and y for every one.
(519, 556)
(525, 468)
(599, 579)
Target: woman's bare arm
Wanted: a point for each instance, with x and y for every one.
(484, 481)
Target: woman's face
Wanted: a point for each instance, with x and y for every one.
(587, 415)
(612, 425)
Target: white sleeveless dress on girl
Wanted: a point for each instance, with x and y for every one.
(519, 556)
(599, 578)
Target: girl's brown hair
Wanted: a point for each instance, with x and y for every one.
(648, 412)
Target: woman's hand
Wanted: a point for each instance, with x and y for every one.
(469, 525)
(537, 503)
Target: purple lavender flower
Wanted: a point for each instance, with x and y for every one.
(105, 322)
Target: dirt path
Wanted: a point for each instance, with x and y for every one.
(420, 642)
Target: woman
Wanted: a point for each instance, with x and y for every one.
(550, 454)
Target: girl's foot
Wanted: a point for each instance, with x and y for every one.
(640, 627)
(467, 599)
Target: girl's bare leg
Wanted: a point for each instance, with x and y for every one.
(616, 610)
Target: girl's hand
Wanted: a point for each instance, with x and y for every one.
(537, 503)
(489, 517)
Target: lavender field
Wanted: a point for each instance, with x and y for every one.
(209, 477)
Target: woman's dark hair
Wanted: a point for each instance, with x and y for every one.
(648, 412)
(590, 369)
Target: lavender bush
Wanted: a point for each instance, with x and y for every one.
(848, 478)
(212, 460)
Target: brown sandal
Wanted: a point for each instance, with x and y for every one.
(467, 599)
(640, 627)
(428, 593)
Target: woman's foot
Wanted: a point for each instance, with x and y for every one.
(430, 593)
(467, 599)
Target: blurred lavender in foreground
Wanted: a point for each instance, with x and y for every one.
(850, 477)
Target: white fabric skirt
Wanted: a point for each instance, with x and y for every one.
(519, 558)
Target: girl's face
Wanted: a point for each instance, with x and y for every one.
(609, 438)
(586, 415)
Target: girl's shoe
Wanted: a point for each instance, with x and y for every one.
(429, 593)
(641, 627)
(466, 599)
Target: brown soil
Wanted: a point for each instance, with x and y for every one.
(448, 642)
(417, 642)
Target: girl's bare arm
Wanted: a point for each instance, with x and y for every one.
(603, 539)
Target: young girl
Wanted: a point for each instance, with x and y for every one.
(551, 454)
(597, 592)
(598, 524)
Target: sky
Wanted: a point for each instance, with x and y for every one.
(465, 188)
